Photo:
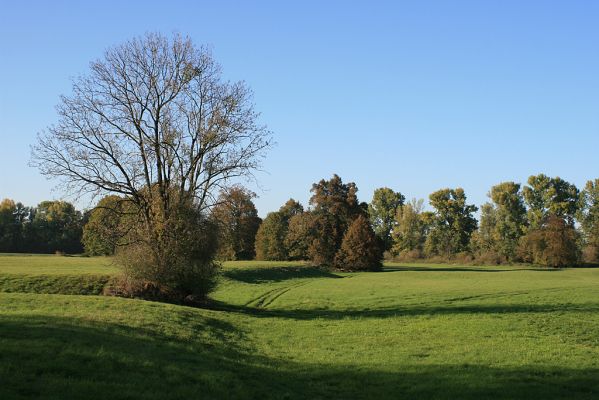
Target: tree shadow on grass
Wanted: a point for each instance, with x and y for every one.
(55, 358)
(277, 274)
(425, 268)
(418, 310)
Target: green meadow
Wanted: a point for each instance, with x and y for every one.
(290, 331)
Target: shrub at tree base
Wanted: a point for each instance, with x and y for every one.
(360, 249)
(178, 267)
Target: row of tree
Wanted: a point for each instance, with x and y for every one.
(52, 226)
(548, 222)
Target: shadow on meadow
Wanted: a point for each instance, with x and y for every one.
(425, 268)
(277, 274)
(45, 357)
(309, 314)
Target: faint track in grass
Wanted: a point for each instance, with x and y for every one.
(267, 298)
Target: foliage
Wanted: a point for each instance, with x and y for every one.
(553, 244)
(299, 236)
(382, 211)
(335, 206)
(237, 220)
(589, 218)
(361, 249)
(57, 227)
(411, 230)
(270, 238)
(453, 223)
(107, 225)
(547, 196)
(181, 269)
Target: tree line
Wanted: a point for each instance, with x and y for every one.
(548, 222)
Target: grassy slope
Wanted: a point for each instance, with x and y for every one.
(283, 330)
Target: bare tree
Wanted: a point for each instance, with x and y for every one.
(155, 122)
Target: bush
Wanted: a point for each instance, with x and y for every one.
(360, 249)
(177, 268)
(554, 244)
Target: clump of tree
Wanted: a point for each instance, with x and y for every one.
(271, 236)
(154, 122)
(361, 249)
(51, 227)
(334, 232)
(237, 220)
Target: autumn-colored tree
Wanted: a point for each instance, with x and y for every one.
(361, 249)
(382, 211)
(237, 219)
(299, 237)
(335, 206)
(270, 238)
(552, 244)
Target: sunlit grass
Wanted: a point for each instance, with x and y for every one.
(287, 330)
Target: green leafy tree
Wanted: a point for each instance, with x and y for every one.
(237, 219)
(360, 249)
(382, 211)
(411, 228)
(453, 223)
(107, 225)
(10, 226)
(270, 238)
(589, 218)
(547, 196)
(58, 227)
(508, 223)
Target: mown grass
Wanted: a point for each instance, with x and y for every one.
(287, 330)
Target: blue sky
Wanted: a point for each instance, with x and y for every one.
(415, 96)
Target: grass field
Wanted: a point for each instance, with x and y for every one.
(286, 330)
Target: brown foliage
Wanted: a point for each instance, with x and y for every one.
(360, 249)
(554, 244)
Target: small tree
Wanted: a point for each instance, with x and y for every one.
(361, 249)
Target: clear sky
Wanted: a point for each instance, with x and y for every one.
(415, 96)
